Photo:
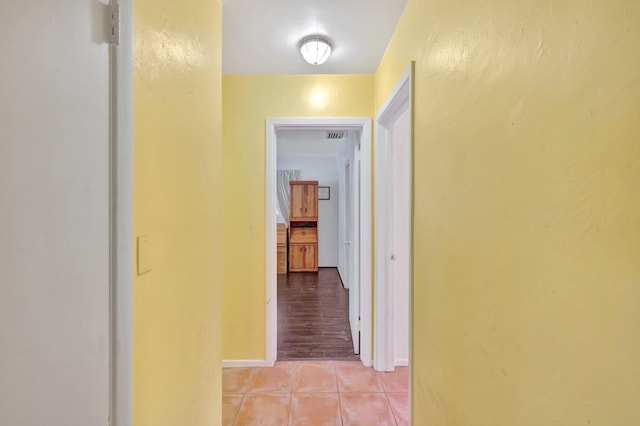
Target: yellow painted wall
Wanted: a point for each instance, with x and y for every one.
(177, 200)
(527, 210)
(248, 100)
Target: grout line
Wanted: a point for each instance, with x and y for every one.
(335, 371)
(235, 417)
(290, 403)
(390, 408)
(381, 380)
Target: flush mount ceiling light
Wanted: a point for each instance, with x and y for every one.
(315, 49)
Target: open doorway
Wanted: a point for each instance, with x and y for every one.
(313, 304)
(356, 131)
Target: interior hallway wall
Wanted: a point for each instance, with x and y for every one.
(248, 100)
(527, 210)
(177, 201)
(322, 169)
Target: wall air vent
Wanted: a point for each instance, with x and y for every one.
(336, 134)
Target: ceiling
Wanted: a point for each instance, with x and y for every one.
(307, 143)
(263, 36)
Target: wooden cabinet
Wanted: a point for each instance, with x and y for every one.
(303, 230)
(304, 201)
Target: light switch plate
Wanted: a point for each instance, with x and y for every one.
(144, 254)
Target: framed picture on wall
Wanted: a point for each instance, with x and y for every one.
(324, 193)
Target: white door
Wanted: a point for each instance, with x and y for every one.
(354, 291)
(347, 225)
(354, 313)
(400, 230)
(54, 219)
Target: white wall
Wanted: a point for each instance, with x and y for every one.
(54, 215)
(322, 169)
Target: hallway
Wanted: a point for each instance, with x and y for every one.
(313, 317)
(328, 393)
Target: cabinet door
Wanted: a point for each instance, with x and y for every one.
(296, 257)
(303, 257)
(311, 201)
(311, 257)
(297, 201)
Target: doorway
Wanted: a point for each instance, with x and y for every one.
(360, 288)
(393, 224)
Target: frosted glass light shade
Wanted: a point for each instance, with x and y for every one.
(315, 49)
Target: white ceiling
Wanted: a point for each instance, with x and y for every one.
(262, 36)
(307, 143)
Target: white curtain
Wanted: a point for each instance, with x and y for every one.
(282, 206)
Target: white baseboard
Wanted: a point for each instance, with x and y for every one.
(342, 281)
(229, 363)
(402, 362)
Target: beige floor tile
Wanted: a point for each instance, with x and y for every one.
(358, 379)
(399, 403)
(395, 381)
(311, 378)
(236, 380)
(354, 364)
(230, 406)
(296, 364)
(365, 409)
(315, 409)
(271, 380)
(264, 410)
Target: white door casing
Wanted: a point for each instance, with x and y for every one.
(393, 215)
(121, 200)
(363, 126)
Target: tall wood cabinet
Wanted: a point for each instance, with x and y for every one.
(303, 226)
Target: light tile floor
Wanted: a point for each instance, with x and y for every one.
(315, 393)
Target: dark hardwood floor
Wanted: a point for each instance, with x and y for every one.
(313, 316)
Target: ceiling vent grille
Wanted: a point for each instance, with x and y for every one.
(336, 134)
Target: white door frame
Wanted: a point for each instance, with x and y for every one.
(120, 219)
(272, 125)
(384, 294)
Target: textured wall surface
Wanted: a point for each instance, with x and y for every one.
(527, 210)
(177, 193)
(248, 100)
